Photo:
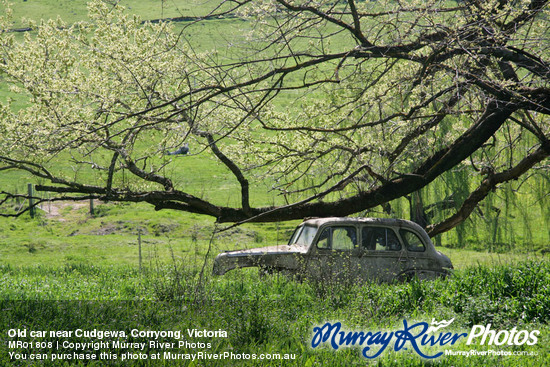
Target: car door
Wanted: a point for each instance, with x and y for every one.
(335, 254)
(420, 263)
(382, 256)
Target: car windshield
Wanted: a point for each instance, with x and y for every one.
(303, 235)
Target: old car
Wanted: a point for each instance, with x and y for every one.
(355, 249)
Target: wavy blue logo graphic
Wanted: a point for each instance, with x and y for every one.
(414, 336)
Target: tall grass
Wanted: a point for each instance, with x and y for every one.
(273, 313)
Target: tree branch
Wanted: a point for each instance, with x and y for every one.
(487, 185)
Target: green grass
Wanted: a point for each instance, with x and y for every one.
(275, 314)
(75, 10)
(466, 258)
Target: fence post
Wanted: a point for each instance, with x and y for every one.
(91, 206)
(139, 248)
(31, 203)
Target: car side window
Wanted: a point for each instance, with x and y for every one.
(380, 239)
(412, 241)
(342, 238)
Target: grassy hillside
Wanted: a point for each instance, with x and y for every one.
(75, 10)
(509, 220)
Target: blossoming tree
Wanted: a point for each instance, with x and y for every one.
(341, 105)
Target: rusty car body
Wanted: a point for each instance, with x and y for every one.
(356, 249)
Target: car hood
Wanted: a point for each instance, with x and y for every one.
(280, 249)
(252, 257)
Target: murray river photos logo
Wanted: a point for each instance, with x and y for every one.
(419, 337)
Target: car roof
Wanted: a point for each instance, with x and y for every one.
(317, 222)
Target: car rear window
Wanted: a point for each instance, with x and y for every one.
(412, 241)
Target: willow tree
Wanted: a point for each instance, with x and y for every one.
(341, 105)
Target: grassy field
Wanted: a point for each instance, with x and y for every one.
(67, 269)
(275, 314)
(75, 10)
(73, 270)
